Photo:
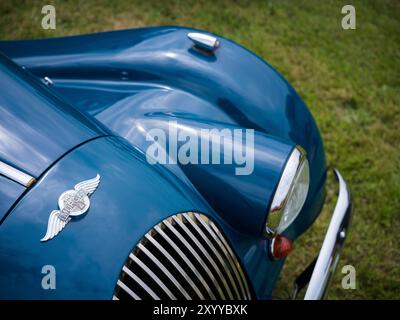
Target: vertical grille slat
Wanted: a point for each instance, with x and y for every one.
(222, 247)
(165, 270)
(127, 290)
(187, 261)
(232, 258)
(217, 254)
(140, 282)
(176, 265)
(199, 260)
(185, 256)
(152, 275)
(206, 254)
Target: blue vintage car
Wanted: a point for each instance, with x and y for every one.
(85, 198)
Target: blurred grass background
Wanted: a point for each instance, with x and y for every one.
(349, 79)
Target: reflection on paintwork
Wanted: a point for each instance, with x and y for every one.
(36, 128)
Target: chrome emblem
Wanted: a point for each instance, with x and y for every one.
(72, 203)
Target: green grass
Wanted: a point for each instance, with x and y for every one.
(349, 79)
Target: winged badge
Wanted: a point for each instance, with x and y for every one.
(71, 203)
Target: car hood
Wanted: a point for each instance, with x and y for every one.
(37, 127)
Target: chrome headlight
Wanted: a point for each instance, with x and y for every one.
(290, 194)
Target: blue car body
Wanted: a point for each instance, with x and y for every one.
(108, 89)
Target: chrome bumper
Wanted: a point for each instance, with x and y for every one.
(326, 262)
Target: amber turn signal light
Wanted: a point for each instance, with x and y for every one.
(280, 247)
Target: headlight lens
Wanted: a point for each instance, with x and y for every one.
(290, 194)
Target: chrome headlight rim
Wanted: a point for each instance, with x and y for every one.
(293, 168)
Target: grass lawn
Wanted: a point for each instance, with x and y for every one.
(349, 79)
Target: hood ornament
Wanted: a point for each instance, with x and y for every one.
(71, 203)
(204, 41)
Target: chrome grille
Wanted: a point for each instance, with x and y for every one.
(183, 257)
